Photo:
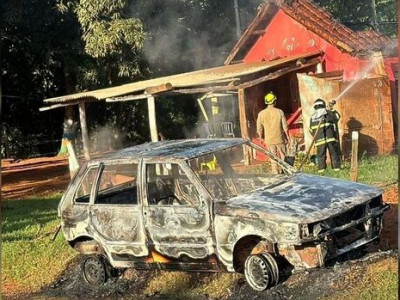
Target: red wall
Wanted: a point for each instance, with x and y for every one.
(285, 36)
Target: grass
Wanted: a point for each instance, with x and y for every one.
(378, 282)
(378, 170)
(29, 259)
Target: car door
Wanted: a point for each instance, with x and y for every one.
(116, 213)
(177, 218)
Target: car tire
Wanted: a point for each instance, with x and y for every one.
(261, 271)
(95, 270)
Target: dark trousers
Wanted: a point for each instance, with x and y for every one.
(334, 153)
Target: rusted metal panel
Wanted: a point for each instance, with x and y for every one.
(366, 107)
(310, 89)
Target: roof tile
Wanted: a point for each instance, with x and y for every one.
(321, 22)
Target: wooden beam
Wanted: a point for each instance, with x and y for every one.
(250, 83)
(85, 136)
(258, 32)
(265, 13)
(127, 98)
(244, 126)
(152, 90)
(152, 118)
(354, 156)
(278, 73)
(58, 106)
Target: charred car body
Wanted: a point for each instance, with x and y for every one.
(199, 205)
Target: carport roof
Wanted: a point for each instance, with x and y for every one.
(229, 74)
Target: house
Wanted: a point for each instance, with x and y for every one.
(358, 69)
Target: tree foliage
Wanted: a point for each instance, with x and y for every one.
(358, 14)
(55, 47)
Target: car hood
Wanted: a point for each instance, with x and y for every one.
(299, 198)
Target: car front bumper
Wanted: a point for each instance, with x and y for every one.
(314, 251)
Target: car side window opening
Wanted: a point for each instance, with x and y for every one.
(167, 184)
(83, 192)
(118, 185)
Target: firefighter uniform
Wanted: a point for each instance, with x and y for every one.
(272, 126)
(326, 136)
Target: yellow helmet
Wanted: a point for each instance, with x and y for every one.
(270, 98)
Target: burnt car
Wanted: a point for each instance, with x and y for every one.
(211, 205)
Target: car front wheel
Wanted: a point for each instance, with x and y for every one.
(261, 271)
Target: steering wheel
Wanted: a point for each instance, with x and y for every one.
(218, 186)
(162, 187)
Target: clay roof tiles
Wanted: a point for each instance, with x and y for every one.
(315, 19)
(321, 22)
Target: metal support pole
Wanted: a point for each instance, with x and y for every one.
(85, 135)
(374, 15)
(236, 6)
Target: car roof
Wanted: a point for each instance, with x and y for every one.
(175, 149)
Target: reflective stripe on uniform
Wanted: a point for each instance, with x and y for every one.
(324, 141)
(322, 125)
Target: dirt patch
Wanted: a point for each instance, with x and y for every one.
(314, 284)
(34, 177)
(389, 238)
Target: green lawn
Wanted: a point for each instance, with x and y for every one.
(378, 171)
(29, 259)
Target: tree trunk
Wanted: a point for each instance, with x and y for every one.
(69, 119)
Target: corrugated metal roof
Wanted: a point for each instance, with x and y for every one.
(204, 77)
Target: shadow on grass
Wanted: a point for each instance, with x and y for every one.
(21, 219)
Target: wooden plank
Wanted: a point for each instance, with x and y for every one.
(57, 106)
(258, 32)
(267, 10)
(244, 129)
(244, 125)
(85, 135)
(127, 98)
(158, 89)
(152, 118)
(354, 156)
(250, 83)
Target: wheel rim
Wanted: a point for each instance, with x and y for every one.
(273, 266)
(94, 271)
(258, 272)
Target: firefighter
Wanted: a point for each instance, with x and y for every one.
(326, 137)
(272, 126)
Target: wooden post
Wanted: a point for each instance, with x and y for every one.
(85, 135)
(354, 156)
(152, 118)
(244, 124)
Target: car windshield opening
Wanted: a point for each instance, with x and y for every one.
(237, 170)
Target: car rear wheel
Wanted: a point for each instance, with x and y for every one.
(95, 270)
(261, 271)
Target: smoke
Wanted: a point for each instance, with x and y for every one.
(106, 138)
(227, 111)
(180, 39)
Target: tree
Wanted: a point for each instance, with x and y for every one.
(359, 14)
